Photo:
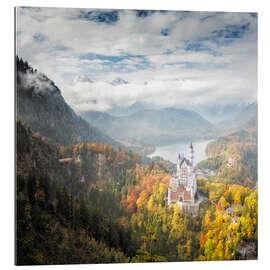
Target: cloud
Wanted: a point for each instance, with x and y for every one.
(185, 57)
(39, 83)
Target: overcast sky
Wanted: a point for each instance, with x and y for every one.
(171, 58)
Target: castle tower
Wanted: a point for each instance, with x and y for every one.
(179, 158)
(178, 164)
(191, 154)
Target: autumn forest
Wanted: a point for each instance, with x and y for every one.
(111, 208)
(136, 136)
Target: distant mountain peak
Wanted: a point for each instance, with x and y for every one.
(118, 81)
(83, 78)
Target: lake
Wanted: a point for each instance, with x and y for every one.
(170, 152)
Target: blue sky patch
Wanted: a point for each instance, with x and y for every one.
(144, 13)
(61, 48)
(254, 15)
(111, 58)
(107, 17)
(232, 31)
(220, 37)
(196, 47)
(199, 46)
(39, 37)
(115, 64)
(201, 66)
(165, 32)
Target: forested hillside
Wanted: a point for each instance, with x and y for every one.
(235, 157)
(106, 207)
(62, 218)
(42, 107)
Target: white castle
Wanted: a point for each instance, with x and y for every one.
(183, 184)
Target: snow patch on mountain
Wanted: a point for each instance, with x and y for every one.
(83, 78)
(118, 81)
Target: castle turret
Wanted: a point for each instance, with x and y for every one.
(191, 153)
(178, 164)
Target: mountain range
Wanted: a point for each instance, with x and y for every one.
(135, 107)
(42, 107)
(217, 113)
(156, 126)
(242, 118)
